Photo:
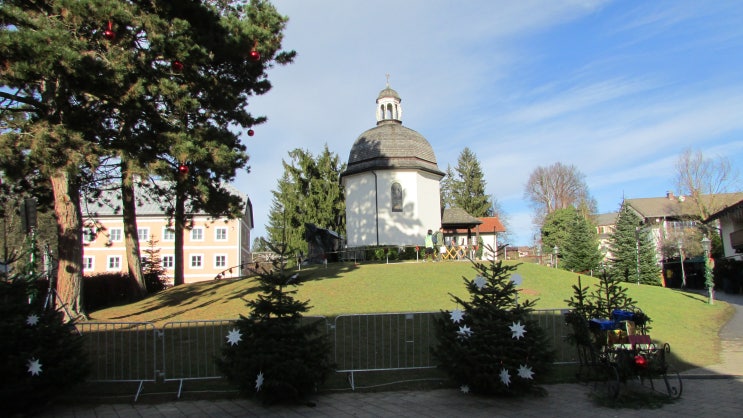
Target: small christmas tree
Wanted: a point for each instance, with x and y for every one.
(42, 356)
(491, 345)
(272, 354)
(608, 295)
(155, 276)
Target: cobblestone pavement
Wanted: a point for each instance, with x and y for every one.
(712, 391)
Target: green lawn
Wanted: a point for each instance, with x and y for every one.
(682, 319)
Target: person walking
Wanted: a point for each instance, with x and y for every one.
(438, 241)
(429, 245)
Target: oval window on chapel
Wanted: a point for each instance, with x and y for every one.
(396, 197)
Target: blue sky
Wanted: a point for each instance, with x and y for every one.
(618, 89)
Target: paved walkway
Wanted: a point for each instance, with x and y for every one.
(713, 391)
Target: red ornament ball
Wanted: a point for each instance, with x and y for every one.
(109, 32)
(177, 66)
(255, 55)
(183, 169)
(641, 361)
(251, 132)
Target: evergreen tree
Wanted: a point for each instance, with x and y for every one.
(491, 345)
(633, 251)
(581, 252)
(154, 84)
(556, 229)
(608, 295)
(42, 356)
(467, 190)
(308, 192)
(272, 353)
(154, 274)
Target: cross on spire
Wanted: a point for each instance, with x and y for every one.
(388, 79)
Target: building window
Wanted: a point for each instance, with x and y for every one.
(113, 263)
(220, 261)
(197, 234)
(168, 261)
(197, 261)
(88, 263)
(396, 200)
(88, 235)
(168, 234)
(115, 234)
(220, 234)
(143, 234)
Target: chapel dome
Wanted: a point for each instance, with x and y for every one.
(389, 145)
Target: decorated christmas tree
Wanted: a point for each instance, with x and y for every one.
(42, 356)
(491, 345)
(274, 353)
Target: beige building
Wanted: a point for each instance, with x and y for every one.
(212, 247)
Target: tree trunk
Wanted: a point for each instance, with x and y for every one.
(179, 228)
(69, 230)
(131, 236)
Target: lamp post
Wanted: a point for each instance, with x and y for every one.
(681, 260)
(554, 253)
(709, 280)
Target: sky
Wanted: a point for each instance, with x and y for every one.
(619, 89)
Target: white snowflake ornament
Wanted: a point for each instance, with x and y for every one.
(517, 330)
(480, 282)
(525, 372)
(456, 315)
(34, 367)
(32, 319)
(259, 382)
(234, 336)
(464, 331)
(464, 389)
(505, 378)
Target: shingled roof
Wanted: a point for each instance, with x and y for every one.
(679, 206)
(390, 145)
(458, 218)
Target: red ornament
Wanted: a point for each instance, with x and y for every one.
(109, 32)
(641, 361)
(251, 132)
(177, 66)
(183, 169)
(255, 55)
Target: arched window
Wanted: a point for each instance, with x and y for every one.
(396, 200)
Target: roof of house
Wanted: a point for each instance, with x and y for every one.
(491, 224)
(604, 219)
(732, 210)
(672, 206)
(109, 202)
(458, 218)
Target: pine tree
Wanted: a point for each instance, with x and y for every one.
(152, 268)
(42, 356)
(308, 192)
(581, 252)
(490, 345)
(157, 84)
(467, 190)
(556, 229)
(633, 251)
(272, 353)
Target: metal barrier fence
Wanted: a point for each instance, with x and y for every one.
(190, 348)
(396, 341)
(187, 350)
(121, 351)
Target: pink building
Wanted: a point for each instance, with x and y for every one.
(211, 247)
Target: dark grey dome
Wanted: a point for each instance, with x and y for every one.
(390, 145)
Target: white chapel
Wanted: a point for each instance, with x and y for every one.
(391, 182)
